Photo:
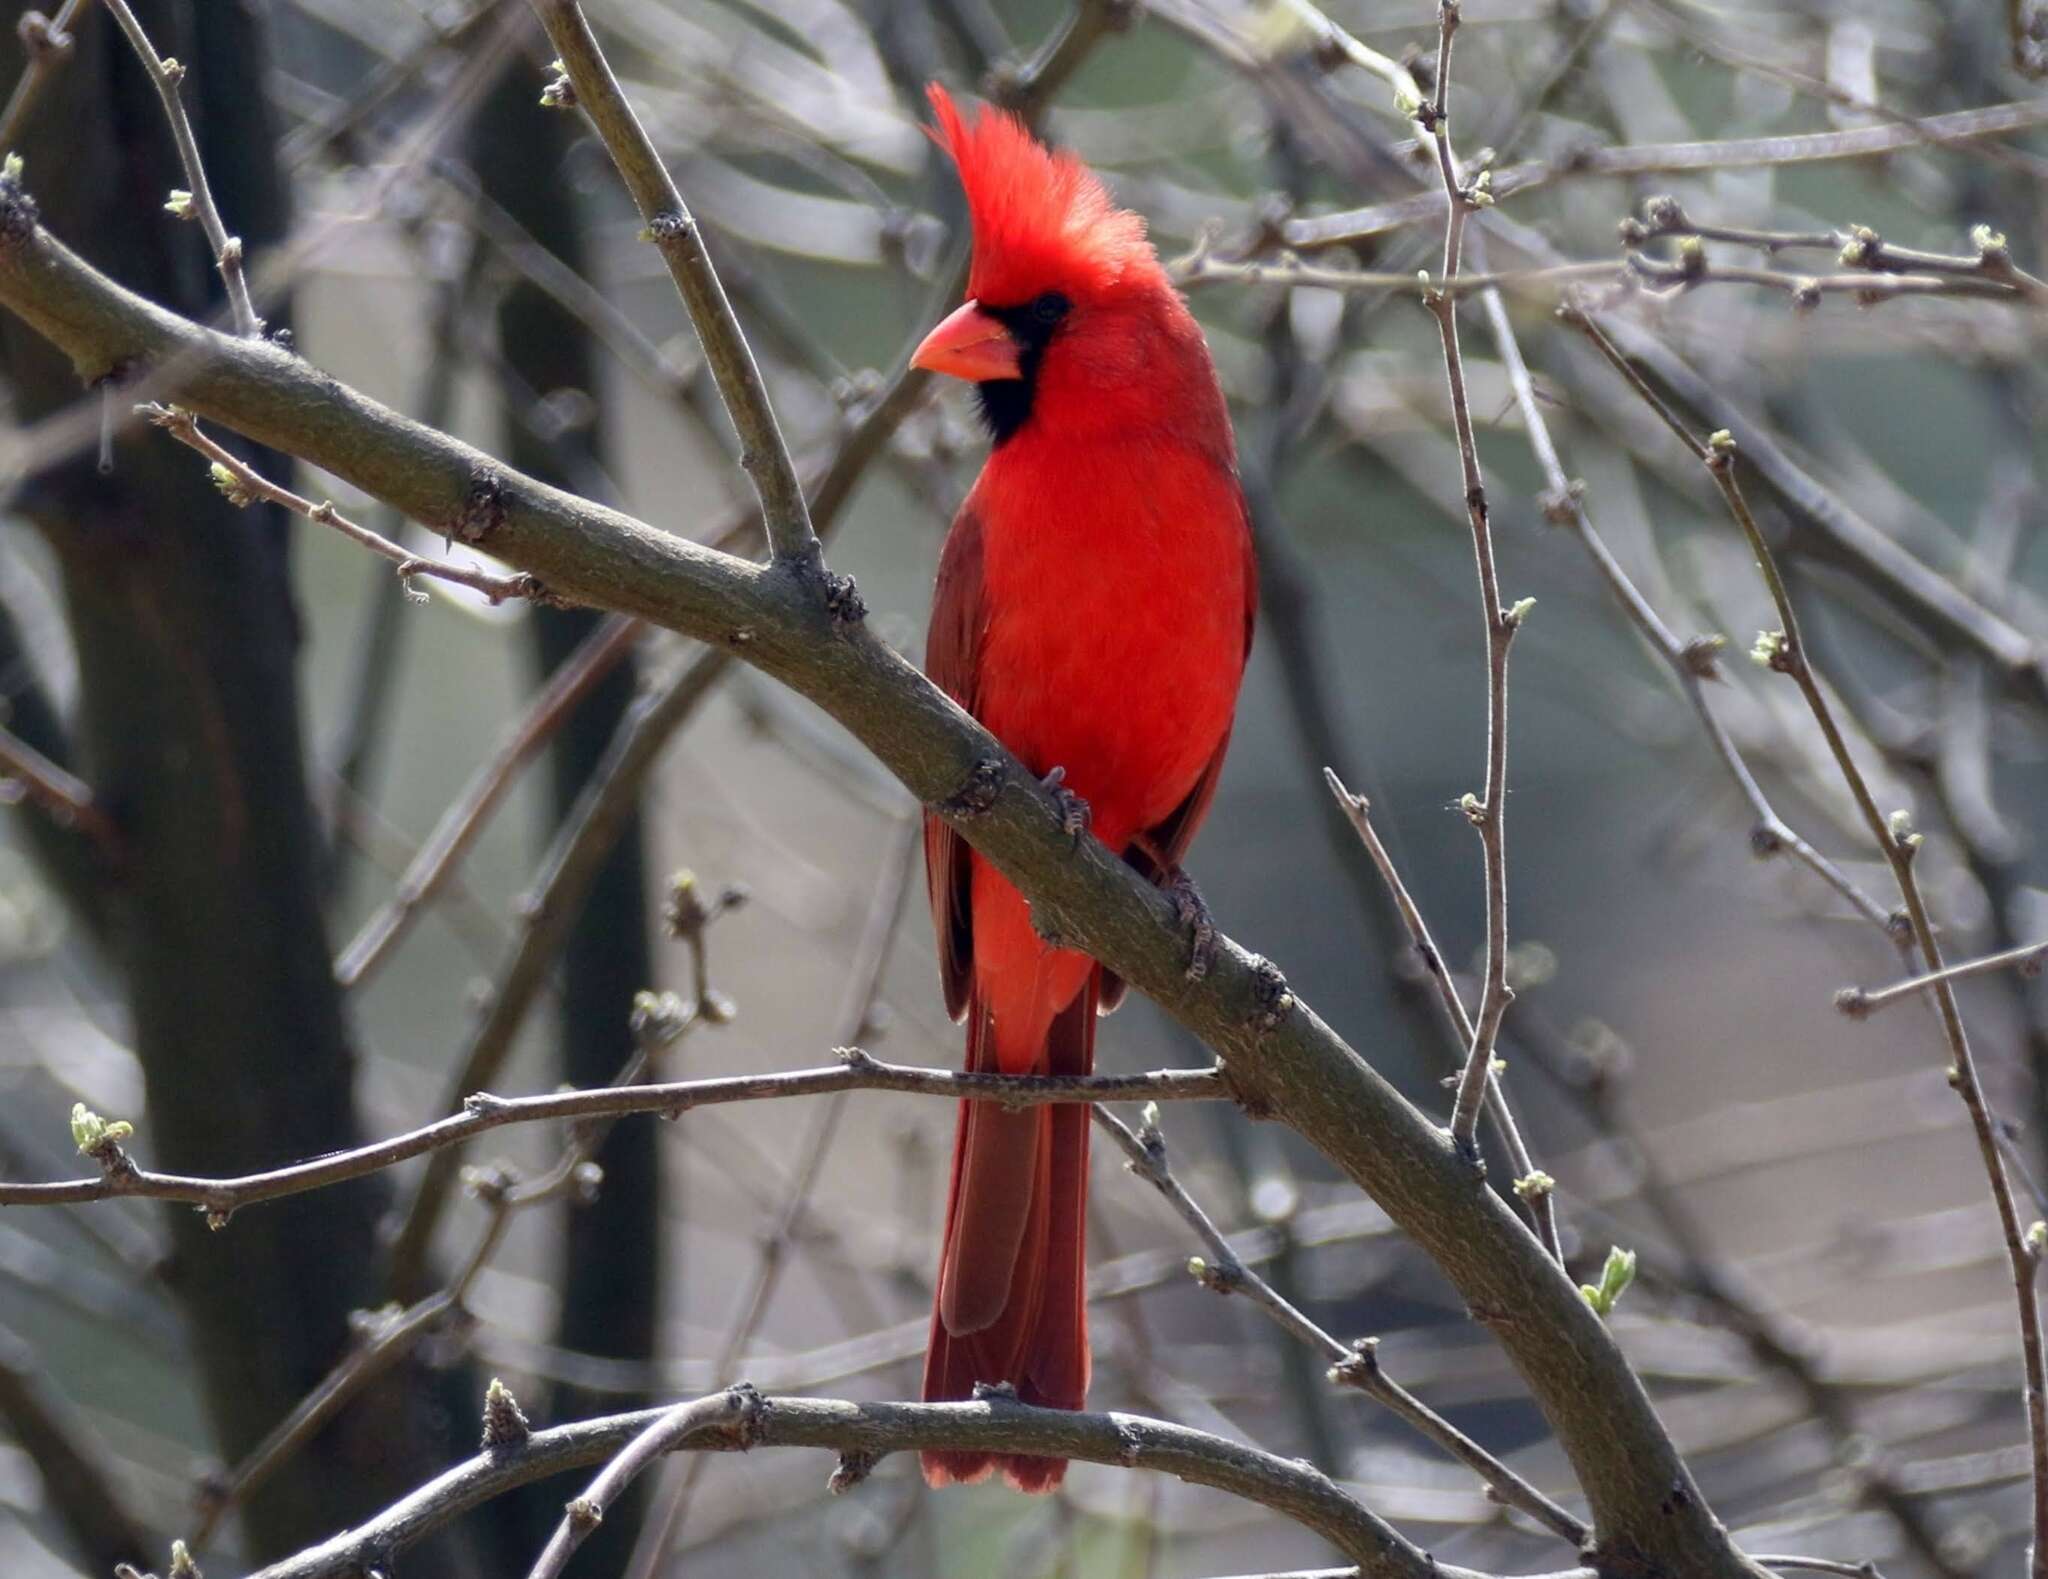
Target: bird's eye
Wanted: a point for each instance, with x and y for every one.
(1050, 308)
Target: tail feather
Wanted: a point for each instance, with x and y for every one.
(1012, 1302)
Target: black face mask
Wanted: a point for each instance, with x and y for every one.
(1006, 402)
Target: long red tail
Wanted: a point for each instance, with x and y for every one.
(1011, 1304)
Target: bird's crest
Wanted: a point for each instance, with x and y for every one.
(1042, 220)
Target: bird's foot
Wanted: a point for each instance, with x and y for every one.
(1074, 813)
(1195, 916)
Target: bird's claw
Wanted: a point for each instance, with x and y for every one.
(1194, 915)
(1074, 813)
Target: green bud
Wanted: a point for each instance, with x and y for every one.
(1534, 1186)
(1615, 1277)
(92, 1134)
(12, 169)
(180, 205)
(230, 485)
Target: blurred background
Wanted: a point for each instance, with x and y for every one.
(377, 852)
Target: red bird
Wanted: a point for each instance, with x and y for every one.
(1094, 609)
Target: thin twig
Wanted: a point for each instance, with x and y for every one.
(1857, 1002)
(1691, 662)
(1784, 652)
(1991, 265)
(763, 454)
(48, 43)
(243, 484)
(165, 75)
(1350, 1365)
(27, 774)
(1860, 142)
(463, 822)
(1533, 1188)
(735, 1412)
(855, 1071)
(1488, 813)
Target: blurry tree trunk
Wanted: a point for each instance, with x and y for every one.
(610, 1278)
(188, 729)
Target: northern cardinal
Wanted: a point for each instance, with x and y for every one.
(1094, 610)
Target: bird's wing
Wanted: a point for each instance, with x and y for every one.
(952, 659)
(1157, 853)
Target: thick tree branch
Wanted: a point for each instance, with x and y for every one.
(1281, 1056)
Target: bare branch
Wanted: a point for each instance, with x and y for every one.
(27, 774)
(460, 825)
(1352, 1365)
(735, 1412)
(165, 75)
(243, 485)
(1857, 1002)
(1784, 652)
(763, 454)
(1282, 1057)
(995, 1423)
(1861, 142)
(1488, 813)
(1532, 1187)
(856, 1071)
(48, 42)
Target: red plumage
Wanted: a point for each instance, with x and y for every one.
(1093, 609)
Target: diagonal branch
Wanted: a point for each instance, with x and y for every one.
(1784, 651)
(27, 774)
(763, 455)
(1282, 1058)
(1350, 1365)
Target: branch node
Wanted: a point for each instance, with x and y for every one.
(984, 784)
(854, 1466)
(483, 506)
(19, 215)
(584, 1513)
(1561, 506)
(1270, 995)
(843, 601)
(41, 39)
(1854, 1002)
(1701, 655)
(1362, 1369)
(671, 226)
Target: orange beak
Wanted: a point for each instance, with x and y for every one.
(969, 344)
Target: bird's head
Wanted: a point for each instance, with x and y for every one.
(1066, 298)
